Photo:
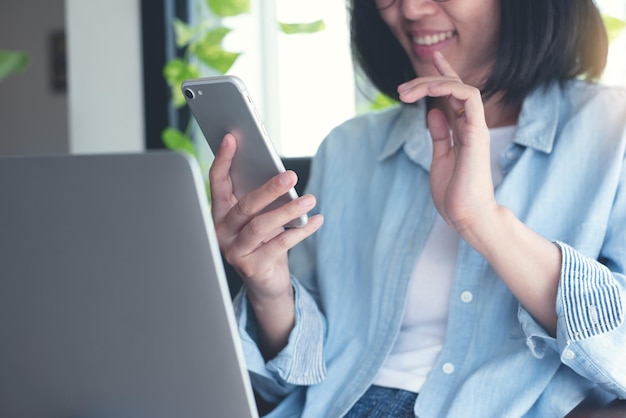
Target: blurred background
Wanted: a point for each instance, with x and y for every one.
(95, 75)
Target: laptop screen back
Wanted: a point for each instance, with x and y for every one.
(113, 300)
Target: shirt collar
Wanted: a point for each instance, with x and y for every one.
(409, 131)
(539, 119)
(536, 128)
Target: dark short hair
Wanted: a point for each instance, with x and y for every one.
(541, 41)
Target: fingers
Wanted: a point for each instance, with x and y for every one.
(449, 87)
(464, 100)
(263, 228)
(289, 238)
(230, 213)
(440, 133)
(447, 84)
(254, 258)
(251, 204)
(222, 197)
(418, 88)
(253, 241)
(275, 247)
(443, 66)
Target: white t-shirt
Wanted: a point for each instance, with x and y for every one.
(425, 320)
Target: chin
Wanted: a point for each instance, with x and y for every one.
(425, 70)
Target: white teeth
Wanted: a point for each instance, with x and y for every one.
(429, 40)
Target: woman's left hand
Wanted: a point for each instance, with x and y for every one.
(462, 189)
(460, 174)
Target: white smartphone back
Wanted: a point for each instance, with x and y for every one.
(222, 104)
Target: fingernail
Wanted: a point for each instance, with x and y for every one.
(225, 142)
(316, 220)
(306, 201)
(285, 178)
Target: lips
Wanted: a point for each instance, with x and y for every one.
(432, 39)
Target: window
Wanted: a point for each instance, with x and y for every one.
(302, 84)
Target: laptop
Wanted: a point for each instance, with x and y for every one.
(113, 298)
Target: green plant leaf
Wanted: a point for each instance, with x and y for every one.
(183, 33)
(382, 101)
(178, 70)
(209, 50)
(295, 28)
(12, 62)
(226, 8)
(614, 26)
(178, 141)
(175, 72)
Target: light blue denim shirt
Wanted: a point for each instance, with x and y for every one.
(565, 178)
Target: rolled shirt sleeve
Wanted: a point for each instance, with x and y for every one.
(300, 362)
(591, 335)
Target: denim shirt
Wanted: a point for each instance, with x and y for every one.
(565, 178)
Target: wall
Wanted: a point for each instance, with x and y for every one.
(105, 70)
(33, 118)
(103, 108)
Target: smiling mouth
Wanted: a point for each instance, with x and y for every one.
(433, 39)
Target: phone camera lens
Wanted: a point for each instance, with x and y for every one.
(189, 93)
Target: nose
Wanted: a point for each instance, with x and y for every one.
(415, 9)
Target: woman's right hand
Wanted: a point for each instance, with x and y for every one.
(256, 243)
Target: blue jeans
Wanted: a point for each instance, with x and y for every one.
(381, 402)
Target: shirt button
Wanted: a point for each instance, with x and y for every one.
(568, 354)
(510, 155)
(448, 368)
(593, 315)
(467, 296)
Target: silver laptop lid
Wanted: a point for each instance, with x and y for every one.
(113, 300)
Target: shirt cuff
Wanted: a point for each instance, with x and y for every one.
(537, 338)
(589, 301)
(301, 361)
(588, 304)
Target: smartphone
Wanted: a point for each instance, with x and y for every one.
(222, 104)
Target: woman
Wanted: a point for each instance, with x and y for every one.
(474, 241)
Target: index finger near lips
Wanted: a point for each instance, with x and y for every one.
(443, 66)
